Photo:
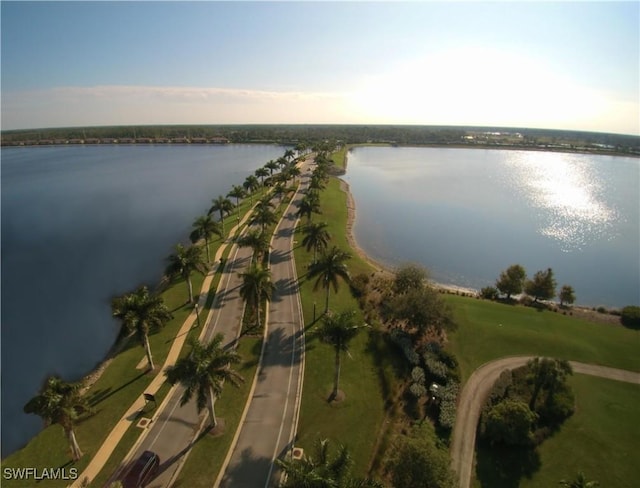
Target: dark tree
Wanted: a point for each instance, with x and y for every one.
(542, 286)
(567, 295)
(511, 280)
(409, 277)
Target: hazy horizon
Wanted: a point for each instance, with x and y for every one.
(559, 66)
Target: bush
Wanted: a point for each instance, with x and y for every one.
(417, 375)
(436, 368)
(510, 423)
(489, 293)
(630, 317)
(417, 390)
(448, 404)
(359, 285)
(417, 460)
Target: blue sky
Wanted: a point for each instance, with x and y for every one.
(565, 65)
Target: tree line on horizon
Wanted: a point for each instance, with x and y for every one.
(349, 134)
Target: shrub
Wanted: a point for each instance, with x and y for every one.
(359, 285)
(489, 293)
(417, 390)
(403, 340)
(435, 367)
(417, 375)
(630, 317)
(449, 401)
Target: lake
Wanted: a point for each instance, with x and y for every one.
(81, 224)
(467, 214)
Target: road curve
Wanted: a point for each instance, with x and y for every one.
(475, 393)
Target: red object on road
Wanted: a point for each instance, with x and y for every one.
(144, 470)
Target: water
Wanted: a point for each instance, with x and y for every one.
(467, 214)
(80, 225)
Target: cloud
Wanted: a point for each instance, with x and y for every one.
(462, 87)
(117, 104)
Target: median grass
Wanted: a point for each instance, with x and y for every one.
(356, 421)
(208, 453)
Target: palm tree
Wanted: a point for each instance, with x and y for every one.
(204, 228)
(185, 261)
(316, 237)
(317, 182)
(293, 172)
(271, 166)
(309, 204)
(262, 173)
(257, 241)
(338, 330)
(282, 163)
(203, 373)
(222, 205)
(60, 403)
(328, 269)
(237, 192)
(580, 481)
(323, 471)
(250, 185)
(256, 287)
(263, 215)
(289, 154)
(279, 190)
(140, 312)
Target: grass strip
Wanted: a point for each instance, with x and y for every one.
(356, 421)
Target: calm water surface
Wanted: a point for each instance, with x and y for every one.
(467, 214)
(80, 225)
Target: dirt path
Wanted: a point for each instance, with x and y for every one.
(473, 397)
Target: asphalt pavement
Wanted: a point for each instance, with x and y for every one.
(268, 429)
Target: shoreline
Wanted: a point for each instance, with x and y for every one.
(377, 265)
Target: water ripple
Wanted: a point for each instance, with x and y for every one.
(567, 195)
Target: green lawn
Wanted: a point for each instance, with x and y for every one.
(489, 330)
(357, 420)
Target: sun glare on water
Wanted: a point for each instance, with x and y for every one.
(568, 197)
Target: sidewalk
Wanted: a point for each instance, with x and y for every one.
(130, 416)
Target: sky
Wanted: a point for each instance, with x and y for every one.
(557, 65)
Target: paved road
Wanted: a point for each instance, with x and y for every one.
(268, 430)
(173, 430)
(475, 393)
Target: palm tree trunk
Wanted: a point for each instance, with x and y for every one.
(76, 453)
(147, 349)
(212, 409)
(190, 286)
(326, 305)
(336, 378)
(206, 243)
(258, 309)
